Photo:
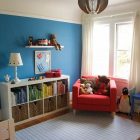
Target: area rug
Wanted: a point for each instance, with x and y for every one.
(83, 126)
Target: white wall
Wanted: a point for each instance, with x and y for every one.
(61, 10)
(128, 7)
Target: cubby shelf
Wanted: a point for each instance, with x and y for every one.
(27, 100)
(49, 47)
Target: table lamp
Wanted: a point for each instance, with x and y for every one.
(15, 60)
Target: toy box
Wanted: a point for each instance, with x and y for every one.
(53, 73)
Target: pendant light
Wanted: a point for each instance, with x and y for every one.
(92, 6)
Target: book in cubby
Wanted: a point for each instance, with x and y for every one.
(35, 92)
(62, 86)
(49, 89)
(18, 95)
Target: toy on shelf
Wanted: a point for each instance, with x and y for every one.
(53, 73)
(54, 42)
(7, 78)
(30, 41)
(37, 42)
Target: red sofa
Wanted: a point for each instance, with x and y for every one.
(94, 102)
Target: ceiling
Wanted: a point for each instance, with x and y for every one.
(63, 10)
(114, 2)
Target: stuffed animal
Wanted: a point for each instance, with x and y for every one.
(103, 86)
(91, 81)
(103, 79)
(30, 41)
(54, 42)
(124, 101)
(86, 88)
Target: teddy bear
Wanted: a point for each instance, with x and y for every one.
(102, 85)
(54, 42)
(103, 79)
(92, 82)
(86, 88)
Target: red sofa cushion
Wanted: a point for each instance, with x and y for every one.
(94, 99)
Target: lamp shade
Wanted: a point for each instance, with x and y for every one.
(92, 6)
(15, 59)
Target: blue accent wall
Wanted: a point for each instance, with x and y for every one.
(14, 33)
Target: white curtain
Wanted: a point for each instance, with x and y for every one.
(134, 78)
(87, 42)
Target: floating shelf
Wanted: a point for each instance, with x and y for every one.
(49, 47)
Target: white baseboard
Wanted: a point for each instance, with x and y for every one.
(70, 96)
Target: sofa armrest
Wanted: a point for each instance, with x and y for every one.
(113, 95)
(75, 93)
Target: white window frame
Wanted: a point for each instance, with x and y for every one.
(115, 45)
(112, 21)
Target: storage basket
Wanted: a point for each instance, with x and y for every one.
(36, 108)
(49, 104)
(20, 112)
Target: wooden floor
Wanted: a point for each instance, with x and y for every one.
(36, 121)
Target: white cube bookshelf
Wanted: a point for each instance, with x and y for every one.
(28, 100)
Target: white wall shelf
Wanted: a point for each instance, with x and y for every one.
(49, 47)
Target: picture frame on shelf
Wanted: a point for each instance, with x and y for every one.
(42, 61)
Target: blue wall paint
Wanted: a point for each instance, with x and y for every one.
(14, 33)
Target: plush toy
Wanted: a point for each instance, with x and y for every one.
(103, 86)
(103, 79)
(86, 88)
(124, 101)
(91, 81)
(54, 42)
(30, 41)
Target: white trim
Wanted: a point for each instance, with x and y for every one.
(108, 18)
(37, 16)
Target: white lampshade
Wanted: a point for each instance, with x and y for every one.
(15, 59)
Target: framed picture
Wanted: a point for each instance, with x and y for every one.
(42, 61)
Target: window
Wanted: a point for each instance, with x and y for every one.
(112, 49)
(101, 51)
(123, 49)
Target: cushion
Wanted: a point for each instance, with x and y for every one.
(94, 99)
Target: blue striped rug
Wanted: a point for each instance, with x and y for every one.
(83, 126)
